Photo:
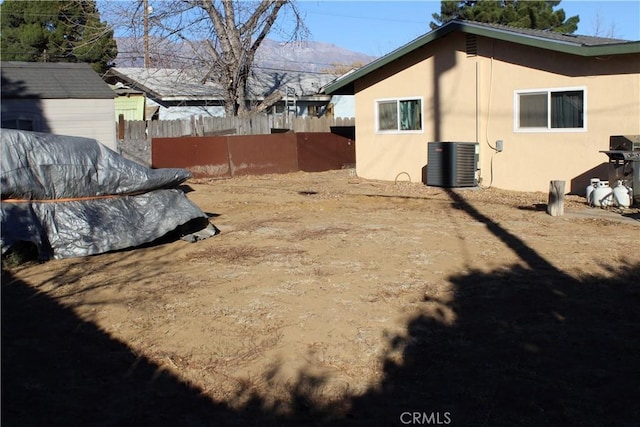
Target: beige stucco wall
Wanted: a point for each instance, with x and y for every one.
(472, 99)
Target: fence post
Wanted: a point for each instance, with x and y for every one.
(121, 126)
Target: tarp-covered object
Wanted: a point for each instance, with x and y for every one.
(73, 196)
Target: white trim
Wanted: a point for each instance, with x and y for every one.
(397, 131)
(548, 91)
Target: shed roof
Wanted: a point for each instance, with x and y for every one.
(549, 40)
(52, 80)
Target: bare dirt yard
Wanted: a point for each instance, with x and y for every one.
(331, 299)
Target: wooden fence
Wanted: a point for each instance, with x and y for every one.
(211, 126)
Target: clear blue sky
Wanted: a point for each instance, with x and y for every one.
(378, 27)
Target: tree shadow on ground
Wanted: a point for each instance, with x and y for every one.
(58, 369)
(526, 348)
(529, 346)
(524, 345)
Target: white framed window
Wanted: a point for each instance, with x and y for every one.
(550, 110)
(399, 115)
(314, 110)
(277, 108)
(20, 121)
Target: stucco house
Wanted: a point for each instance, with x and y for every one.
(182, 93)
(59, 98)
(539, 105)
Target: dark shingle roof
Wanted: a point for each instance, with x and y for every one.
(554, 36)
(52, 81)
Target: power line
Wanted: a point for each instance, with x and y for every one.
(370, 18)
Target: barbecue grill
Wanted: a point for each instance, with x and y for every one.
(624, 163)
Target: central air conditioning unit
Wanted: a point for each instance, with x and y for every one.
(452, 164)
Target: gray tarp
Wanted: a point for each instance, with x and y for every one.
(73, 196)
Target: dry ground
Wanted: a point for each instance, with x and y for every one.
(327, 298)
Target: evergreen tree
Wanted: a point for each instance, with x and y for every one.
(537, 15)
(55, 31)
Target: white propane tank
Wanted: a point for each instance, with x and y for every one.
(621, 195)
(593, 183)
(602, 195)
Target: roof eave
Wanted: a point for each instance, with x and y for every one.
(312, 98)
(173, 98)
(134, 84)
(548, 44)
(345, 85)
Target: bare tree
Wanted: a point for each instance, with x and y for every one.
(340, 68)
(223, 37)
(598, 27)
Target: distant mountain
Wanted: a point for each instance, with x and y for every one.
(308, 56)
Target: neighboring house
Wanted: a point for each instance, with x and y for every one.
(176, 94)
(130, 103)
(551, 101)
(341, 105)
(180, 94)
(58, 98)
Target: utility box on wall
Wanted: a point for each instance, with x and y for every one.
(452, 164)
